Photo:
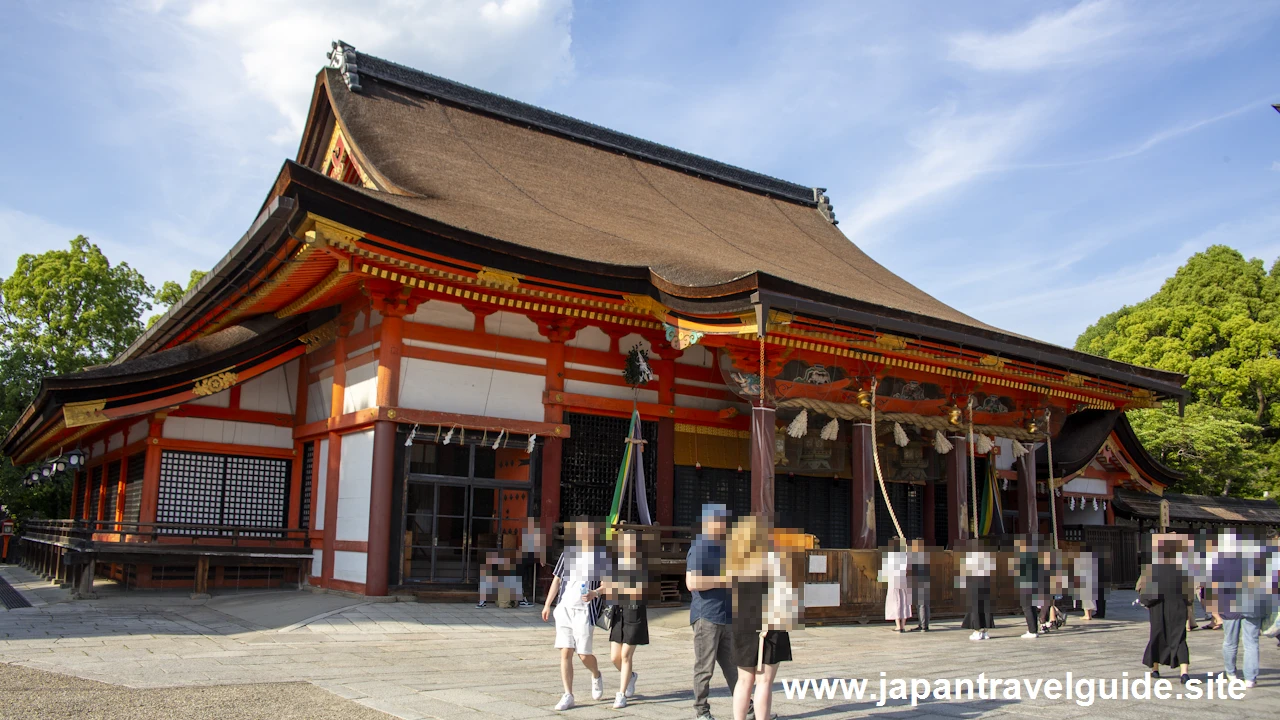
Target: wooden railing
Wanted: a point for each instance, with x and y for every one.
(83, 532)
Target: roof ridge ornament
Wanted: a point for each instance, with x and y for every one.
(342, 57)
(825, 208)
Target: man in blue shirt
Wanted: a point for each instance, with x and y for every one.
(710, 613)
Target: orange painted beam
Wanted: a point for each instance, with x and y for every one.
(233, 415)
(648, 410)
(225, 448)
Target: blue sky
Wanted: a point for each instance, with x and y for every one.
(1033, 164)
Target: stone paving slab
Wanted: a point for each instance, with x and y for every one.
(415, 660)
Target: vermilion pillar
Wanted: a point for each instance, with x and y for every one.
(384, 450)
(151, 472)
(335, 453)
(293, 520)
(957, 491)
(558, 333)
(666, 480)
(862, 527)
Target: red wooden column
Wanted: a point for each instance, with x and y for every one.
(391, 338)
(334, 460)
(120, 489)
(293, 519)
(1028, 511)
(151, 472)
(862, 526)
(665, 365)
(558, 332)
(76, 482)
(957, 491)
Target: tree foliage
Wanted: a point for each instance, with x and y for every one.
(171, 292)
(1217, 320)
(60, 312)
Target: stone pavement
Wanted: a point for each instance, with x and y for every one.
(458, 662)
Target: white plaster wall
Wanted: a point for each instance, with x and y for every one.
(99, 448)
(362, 388)
(115, 442)
(590, 338)
(358, 323)
(610, 391)
(272, 391)
(630, 341)
(350, 566)
(318, 492)
(319, 399)
(444, 314)
(137, 431)
(430, 385)
(362, 350)
(224, 431)
(533, 359)
(700, 403)
(317, 562)
(375, 317)
(353, 487)
(697, 355)
(222, 400)
(513, 325)
(1093, 486)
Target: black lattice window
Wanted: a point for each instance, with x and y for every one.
(133, 486)
(257, 492)
(113, 491)
(77, 500)
(95, 488)
(908, 503)
(592, 456)
(696, 486)
(308, 471)
(202, 489)
(819, 506)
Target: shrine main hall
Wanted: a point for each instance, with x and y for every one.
(418, 344)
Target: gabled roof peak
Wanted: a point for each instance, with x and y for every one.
(355, 66)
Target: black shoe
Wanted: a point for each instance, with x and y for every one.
(1155, 673)
(1184, 678)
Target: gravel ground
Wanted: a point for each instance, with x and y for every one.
(27, 694)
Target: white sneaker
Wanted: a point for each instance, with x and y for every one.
(985, 635)
(566, 702)
(1029, 636)
(620, 700)
(1250, 683)
(631, 685)
(975, 635)
(597, 687)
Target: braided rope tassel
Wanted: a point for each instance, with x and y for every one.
(875, 455)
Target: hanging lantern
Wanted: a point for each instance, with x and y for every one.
(60, 465)
(75, 459)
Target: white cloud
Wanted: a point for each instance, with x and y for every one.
(950, 152)
(270, 50)
(1082, 33)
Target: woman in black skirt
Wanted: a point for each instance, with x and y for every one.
(764, 603)
(629, 618)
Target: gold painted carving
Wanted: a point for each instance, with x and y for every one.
(646, 305)
(84, 413)
(321, 336)
(1073, 380)
(991, 361)
(498, 279)
(214, 383)
(891, 342)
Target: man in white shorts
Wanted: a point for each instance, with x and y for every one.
(577, 605)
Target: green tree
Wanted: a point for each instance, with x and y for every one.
(1218, 321)
(171, 292)
(60, 312)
